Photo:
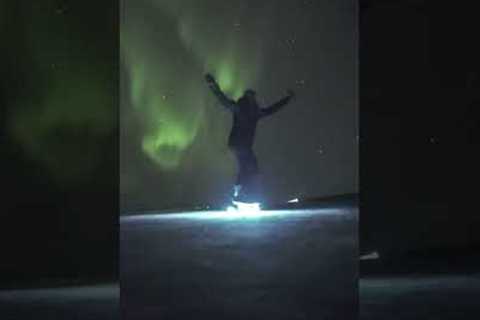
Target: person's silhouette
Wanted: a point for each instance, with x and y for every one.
(246, 114)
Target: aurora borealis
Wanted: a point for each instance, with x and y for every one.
(59, 94)
(104, 111)
(173, 133)
(165, 55)
(62, 91)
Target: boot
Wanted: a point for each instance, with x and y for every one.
(236, 190)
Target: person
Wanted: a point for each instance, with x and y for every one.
(246, 114)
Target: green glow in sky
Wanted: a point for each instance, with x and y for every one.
(166, 52)
(68, 108)
(173, 142)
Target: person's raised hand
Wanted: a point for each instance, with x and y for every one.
(290, 93)
(209, 78)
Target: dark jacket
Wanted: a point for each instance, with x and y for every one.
(245, 117)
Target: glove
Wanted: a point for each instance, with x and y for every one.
(210, 79)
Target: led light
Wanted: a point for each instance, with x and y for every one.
(250, 207)
(231, 209)
(371, 256)
(293, 200)
(230, 213)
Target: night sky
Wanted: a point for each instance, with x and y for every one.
(63, 117)
(59, 139)
(173, 132)
(419, 125)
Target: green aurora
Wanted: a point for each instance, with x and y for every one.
(64, 108)
(166, 47)
(63, 96)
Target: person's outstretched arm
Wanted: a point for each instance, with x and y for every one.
(222, 98)
(277, 105)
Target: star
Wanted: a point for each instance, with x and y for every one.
(300, 82)
(290, 41)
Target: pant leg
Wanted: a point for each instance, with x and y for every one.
(252, 163)
(247, 165)
(241, 156)
(251, 191)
